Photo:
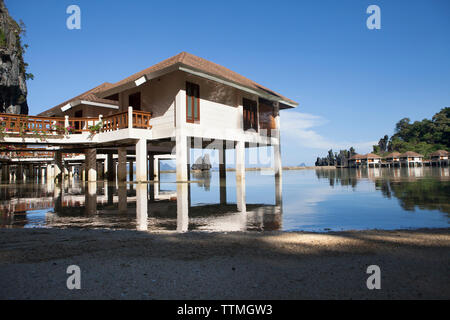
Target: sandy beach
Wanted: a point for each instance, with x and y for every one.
(139, 265)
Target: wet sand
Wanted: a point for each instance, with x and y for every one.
(140, 265)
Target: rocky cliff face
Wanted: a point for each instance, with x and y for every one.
(13, 87)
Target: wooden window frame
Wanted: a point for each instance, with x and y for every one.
(193, 97)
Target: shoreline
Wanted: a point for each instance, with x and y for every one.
(128, 264)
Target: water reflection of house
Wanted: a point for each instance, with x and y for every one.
(411, 158)
(440, 158)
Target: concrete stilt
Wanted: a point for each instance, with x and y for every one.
(141, 160)
(122, 165)
(222, 174)
(151, 169)
(58, 167)
(110, 167)
(240, 175)
(182, 153)
(156, 169)
(91, 164)
(130, 170)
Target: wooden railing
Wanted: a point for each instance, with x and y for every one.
(16, 123)
(80, 125)
(23, 124)
(115, 121)
(141, 119)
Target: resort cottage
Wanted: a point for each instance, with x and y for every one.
(163, 111)
(439, 158)
(392, 159)
(411, 158)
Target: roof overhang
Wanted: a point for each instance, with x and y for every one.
(90, 103)
(188, 69)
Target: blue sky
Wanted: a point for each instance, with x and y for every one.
(353, 84)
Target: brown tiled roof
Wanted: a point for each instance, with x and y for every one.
(203, 65)
(411, 154)
(372, 156)
(394, 154)
(440, 153)
(89, 95)
(356, 156)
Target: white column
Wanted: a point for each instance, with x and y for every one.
(130, 117)
(181, 138)
(141, 160)
(182, 152)
(240, 175)
(277, 147)
(156, 169)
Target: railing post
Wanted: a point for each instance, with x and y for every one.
(66, 121)
(130, 117)
(100, 119)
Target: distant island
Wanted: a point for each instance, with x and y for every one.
(423, 137)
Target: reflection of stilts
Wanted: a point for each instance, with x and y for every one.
(91, 198)
(141, 207)
(182, 207)
(122, 192)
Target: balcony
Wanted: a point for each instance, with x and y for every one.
(15, 127)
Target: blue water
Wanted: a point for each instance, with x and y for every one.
(312, 200)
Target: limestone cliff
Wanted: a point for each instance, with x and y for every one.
(13, 87)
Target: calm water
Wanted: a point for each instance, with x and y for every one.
(311, 200)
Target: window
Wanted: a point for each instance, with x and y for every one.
(192, 102)
(250, 115)
(134, 100)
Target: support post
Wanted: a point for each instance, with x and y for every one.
(240, 175)
(91, 166)
(141, 160)
(151, 169)
(277, 147)
(222, 174)
(156, 169)
(58, 169)
(182, 152)
(130, 170)
(122, 165)
(110, 167)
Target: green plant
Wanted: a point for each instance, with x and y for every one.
(96, 128)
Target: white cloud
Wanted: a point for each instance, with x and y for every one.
(299, 129)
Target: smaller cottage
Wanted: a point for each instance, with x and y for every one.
(411, 158)
(439, 158)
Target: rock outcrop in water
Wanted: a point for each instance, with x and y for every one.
(13, 88)
(202, 163)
